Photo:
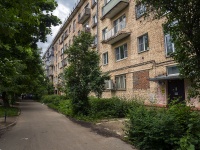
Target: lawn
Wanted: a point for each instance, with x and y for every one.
(12, 111)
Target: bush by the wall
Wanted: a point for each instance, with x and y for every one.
(108, 108)
(165, 129)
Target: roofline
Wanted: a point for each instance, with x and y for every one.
(67, 21)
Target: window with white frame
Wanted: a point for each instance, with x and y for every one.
(121, 52)
(119, 24)
(120, 82)
(94, 19)
(169, 45)
(95, 40)
(69, 28)
(74, 25)
(140, 10)
(104, 33)
(94, 2)
(172, 70)
(143, 43)
(105, 58)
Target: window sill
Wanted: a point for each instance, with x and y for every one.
(121, 59)
(143, 51)
(105, 64)
(120, 89)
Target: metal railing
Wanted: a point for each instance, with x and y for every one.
(86, 11)
(121, 25)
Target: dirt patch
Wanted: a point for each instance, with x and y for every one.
(106, 128)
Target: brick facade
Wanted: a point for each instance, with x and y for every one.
(135, 46)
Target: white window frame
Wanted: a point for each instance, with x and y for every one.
(168, 43)
(104, 31)
(74, 25)
(140, 10)
(120, 82)
(171, 74)
(143, 46)
(94, 19)
(121, 52)
(105, 58)
(119, 24)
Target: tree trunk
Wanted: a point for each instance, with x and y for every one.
(5, 100)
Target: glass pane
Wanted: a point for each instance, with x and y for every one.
(146, 41)
(172, 70)
(169, 46)
(121, 52)
(117, 53)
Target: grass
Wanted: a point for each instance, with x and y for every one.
(12, 111)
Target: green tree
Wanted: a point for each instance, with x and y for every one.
(183, 24)
(23, 24)
(83, 74)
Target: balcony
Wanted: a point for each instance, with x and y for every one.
(87, 29)
(113, 7)
(85, 14)
(50, 72)
(116, 34)
(51, 61)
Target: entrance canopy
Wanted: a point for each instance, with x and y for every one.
(165, 77)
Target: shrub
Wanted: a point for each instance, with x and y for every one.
(65, 107)
(175, 128)
(54, 99)
(107, 108)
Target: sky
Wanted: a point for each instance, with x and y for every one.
(62, 11)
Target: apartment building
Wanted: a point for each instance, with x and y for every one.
(133, 49)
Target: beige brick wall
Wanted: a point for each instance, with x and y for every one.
(144, 65)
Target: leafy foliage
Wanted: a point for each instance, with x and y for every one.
(12, 111)
(174, 128)
(23, 24)
(183, 24)
(83, 74)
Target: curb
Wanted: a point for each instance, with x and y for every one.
(2, 130)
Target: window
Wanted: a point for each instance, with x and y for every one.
(169, 45)
(74, 25)
(62, 51)
(69, 28)
(66, 34)
(119, 24)
(121, 52)
(106, 1)
(143, 43)
(95, 40)
(104, 31)
(172, 70)
(120, 82)
(94, 20)
(140, 10)
(105, 58)
(94, 3)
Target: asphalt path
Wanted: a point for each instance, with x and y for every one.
(40, 128)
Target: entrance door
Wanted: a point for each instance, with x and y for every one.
(176, 90)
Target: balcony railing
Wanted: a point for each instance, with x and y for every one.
(121, 25)
(116, 33)
(85, 14)
(51, 61)
(50, 72)
(113, 7)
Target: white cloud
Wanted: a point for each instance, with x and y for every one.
(61, 12)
